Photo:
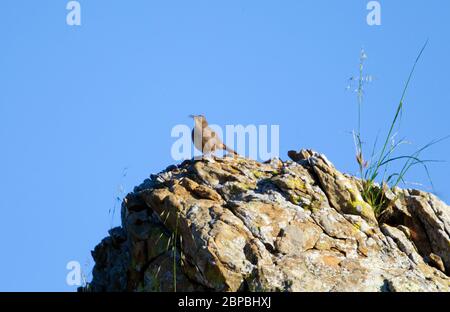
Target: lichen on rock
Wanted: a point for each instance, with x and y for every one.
(234, 224)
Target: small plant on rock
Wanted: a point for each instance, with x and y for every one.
(375, 171)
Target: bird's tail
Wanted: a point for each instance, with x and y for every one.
(229, 150)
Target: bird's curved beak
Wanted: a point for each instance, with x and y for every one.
(191, 116)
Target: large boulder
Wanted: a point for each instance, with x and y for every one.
(234, 224)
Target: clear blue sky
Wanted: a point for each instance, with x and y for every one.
(80, 104)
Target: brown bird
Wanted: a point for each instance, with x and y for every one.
(205, 139)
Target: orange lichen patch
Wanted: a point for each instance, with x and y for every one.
(331, 261)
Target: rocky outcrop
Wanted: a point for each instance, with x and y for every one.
(233, 224)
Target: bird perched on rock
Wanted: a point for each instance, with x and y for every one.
(205, 139)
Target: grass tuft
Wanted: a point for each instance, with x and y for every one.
(375, 171)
